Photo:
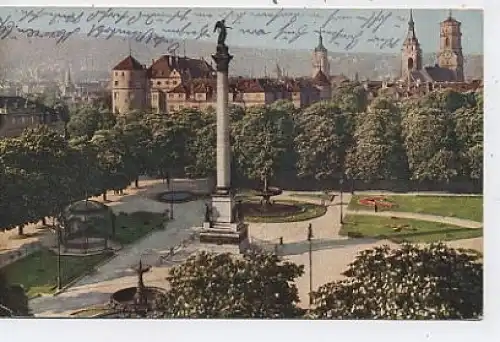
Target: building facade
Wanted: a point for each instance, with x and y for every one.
(18, 113)
(172, 83)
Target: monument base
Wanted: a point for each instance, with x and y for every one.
(235, 234)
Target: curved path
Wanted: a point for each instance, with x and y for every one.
(330, 252)
(422, 217)
(117, 273)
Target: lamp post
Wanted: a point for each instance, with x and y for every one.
(59, 280)
(341, 182)
(171, 197)
(309, 238)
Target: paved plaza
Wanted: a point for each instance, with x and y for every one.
(331, 253)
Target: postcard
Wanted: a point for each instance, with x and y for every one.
(242, 163)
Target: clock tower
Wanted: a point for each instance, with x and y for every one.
(450, 51)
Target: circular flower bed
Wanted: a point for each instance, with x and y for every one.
(282, 211)
(381, 202)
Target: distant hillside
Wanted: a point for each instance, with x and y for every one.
(37, 58)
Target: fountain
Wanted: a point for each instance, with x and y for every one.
(138, 299)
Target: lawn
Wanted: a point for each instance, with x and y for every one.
(400, 230)
(133, 226)
(37, 273)
(465, 207)
(307, 211)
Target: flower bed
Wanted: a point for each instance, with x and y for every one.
(381, 202)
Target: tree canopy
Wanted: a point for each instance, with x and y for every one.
(263, 140)
(224, 286)
(324, 134)
(411, 282)
(378, 152)
(438, 138)
(13, 299)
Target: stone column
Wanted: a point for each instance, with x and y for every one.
(222, 59)
(224, 228)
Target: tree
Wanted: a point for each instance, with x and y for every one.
(114, 162)
(47, 154)
(411, 282)
(446, 100)
(15, 188)
(469, 132)
(87, 120)
(263, 139)
(87, 175)
(324, 134)
(202, 152)
(200, 134)
(224, 286)
(350, 97)
(13, 299)
(168, 148)
(137, 138)
(430, 143)
(39, 158)
(378, 151)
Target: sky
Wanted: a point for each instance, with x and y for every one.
(343, 30)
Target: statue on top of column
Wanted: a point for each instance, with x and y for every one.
(221, 26)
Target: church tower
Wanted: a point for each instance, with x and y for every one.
(320, 59)
(450, 51)
(411, 58)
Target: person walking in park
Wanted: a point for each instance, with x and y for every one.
(375, 207)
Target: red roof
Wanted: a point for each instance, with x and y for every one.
(190, 67)
(321, 79)
(180, 89)
(129, 63)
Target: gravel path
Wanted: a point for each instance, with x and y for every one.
(423, 217)
(330, 253)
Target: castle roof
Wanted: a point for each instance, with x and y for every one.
(129, 63)
(246, 85)
(190, 67)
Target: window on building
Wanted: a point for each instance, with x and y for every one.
(158, 83)
(115, 95)
(116, 83)
(447, 42)
(123, 74)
